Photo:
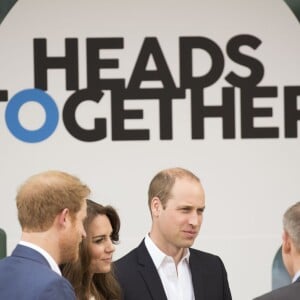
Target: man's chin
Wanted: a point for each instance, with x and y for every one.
(188, 243)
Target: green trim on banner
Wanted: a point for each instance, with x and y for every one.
(294, 5)
(5, 7)
(2, 243)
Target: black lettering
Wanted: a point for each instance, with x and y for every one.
(187, 44)
(225, 111)
(255, 66)
(162, 72)
(249, 112)
(291, 113)
(42, 63)
(95, 64)
(3, 95)
(69, 110)
(119, 114)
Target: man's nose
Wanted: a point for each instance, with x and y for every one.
(194, 218)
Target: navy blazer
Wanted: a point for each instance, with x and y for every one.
(140, 280)
(26, 275)
(288, 292)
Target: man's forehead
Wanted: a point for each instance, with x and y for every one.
(187, 197)
(187, 185)
(186, 202)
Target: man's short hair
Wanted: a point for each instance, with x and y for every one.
(43, 196)
(162, 183)
(291, 223)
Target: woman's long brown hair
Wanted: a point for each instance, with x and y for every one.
(103, 286)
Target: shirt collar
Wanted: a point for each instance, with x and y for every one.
(157, 255)
(297, 275)
(45, 254)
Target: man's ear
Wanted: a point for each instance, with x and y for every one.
(155, 206)
(63, 217)
(286, 242)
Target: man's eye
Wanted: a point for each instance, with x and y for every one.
(185, 209)
(200, 211)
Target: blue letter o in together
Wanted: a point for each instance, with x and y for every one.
(12, 115)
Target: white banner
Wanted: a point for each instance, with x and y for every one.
(114, 91)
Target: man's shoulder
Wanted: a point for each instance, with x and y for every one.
(33, 278)
(130, 256)
(206, 261)
(290, 292)
(195, 253)
(4, 261)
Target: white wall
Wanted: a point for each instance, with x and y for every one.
(249, 182)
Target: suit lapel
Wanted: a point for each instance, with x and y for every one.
(197, 276)
(149, 273)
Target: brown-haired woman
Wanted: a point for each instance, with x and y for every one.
(92, 275)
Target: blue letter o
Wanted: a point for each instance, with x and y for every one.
(12, 115)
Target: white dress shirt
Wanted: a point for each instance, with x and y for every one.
(297, 275)
(177, 283)
(45, 254)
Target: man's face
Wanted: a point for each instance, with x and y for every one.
(74, 236)
(286, 253)
(178, 224)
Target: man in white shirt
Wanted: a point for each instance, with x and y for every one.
(164, 266)
(51, 209)
(290, 255)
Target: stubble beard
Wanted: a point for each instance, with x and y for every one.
(70, 251)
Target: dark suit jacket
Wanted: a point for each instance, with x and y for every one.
(289, 292)
(26, 275)
(140, 280)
